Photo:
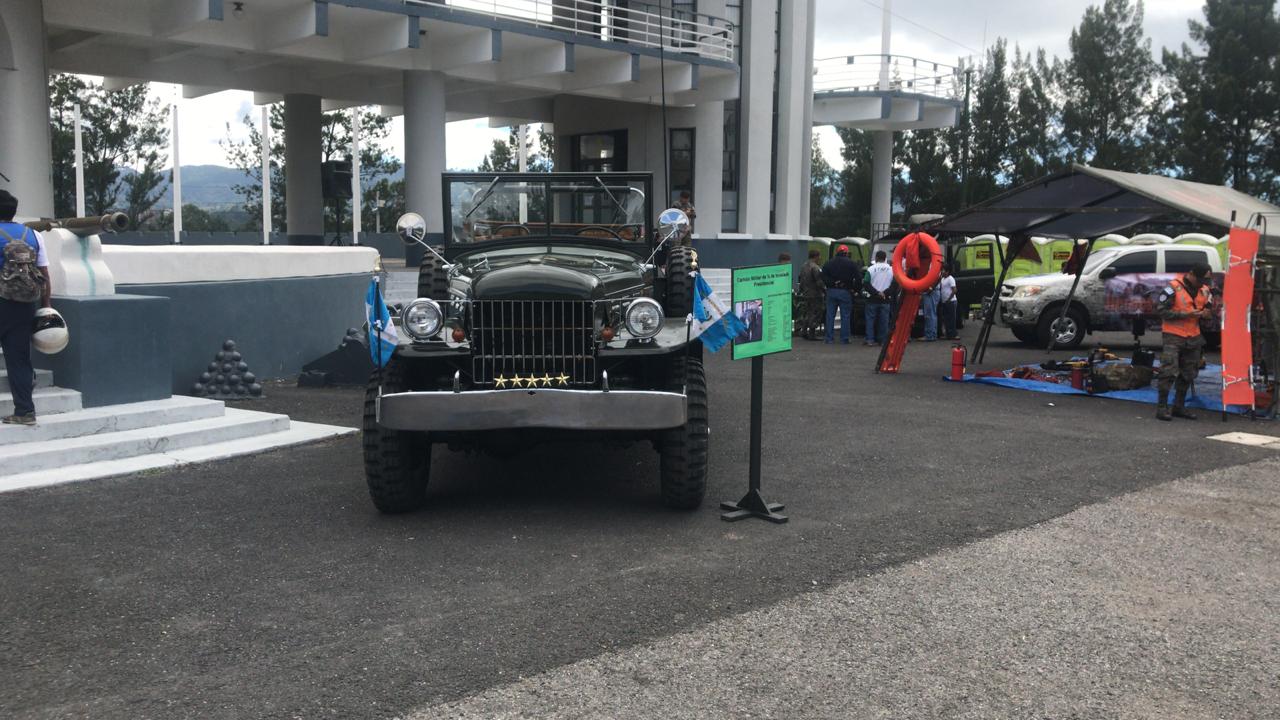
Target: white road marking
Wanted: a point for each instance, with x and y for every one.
(1244, 438)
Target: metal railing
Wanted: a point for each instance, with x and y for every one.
(865, 73)
(624, 21)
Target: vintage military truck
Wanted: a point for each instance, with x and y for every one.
(552, 310)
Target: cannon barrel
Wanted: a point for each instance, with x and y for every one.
(82, 226)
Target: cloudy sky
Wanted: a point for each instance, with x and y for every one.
(938, 30)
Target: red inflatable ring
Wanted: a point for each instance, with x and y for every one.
(917, 285)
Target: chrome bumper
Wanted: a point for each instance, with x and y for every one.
(531, 408)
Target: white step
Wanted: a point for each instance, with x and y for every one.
(48, 401)
(112, 418)
(297, 434)
(720, 280)
(49, 454)
(44, 378)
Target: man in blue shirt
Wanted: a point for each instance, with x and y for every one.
(840, 275)
(17, 319)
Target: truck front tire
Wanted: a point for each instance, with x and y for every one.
(397, 464)
(433, 280)
(683, 450)
(1074, 328)
(679, 296)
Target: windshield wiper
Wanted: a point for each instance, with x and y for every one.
(483, 196)
(612, 197)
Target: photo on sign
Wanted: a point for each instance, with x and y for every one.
(751, 313)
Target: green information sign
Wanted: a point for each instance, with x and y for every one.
(762, 301)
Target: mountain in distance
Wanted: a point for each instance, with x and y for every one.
(211, 187)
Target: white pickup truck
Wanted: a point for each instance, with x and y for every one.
(1118, 285)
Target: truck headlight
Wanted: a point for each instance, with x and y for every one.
(1028, 291)
(644, 317)
(422, 319)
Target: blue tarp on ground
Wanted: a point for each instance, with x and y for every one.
(1206, 395)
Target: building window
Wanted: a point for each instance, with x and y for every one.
(729, 177)
(599, 152)
(681, 162)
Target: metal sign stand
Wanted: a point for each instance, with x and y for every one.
(753, 503)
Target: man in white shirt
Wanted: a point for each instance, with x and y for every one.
(947, 304)
(876, 283)
(17, 317)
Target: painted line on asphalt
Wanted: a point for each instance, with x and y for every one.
(1252, 439)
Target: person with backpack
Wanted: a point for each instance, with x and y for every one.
(24, 284)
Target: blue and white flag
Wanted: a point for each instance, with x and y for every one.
(713, 323)
(382, 332)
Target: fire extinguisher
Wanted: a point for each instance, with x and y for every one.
(958, 358)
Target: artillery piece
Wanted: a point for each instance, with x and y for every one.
(83, 226)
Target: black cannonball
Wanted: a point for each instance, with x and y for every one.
(242, 366)
(235, 357)
(213, 366)
(255, 389)
(225, 389)
(206, 377)
(220, 357)
(197, 389)
(233, 379)
(219, 379)
(249, 378)
(226, 367)
(241, 389)
(229, 345)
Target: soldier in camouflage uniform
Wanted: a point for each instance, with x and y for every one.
(812, 301)
(1182, 306)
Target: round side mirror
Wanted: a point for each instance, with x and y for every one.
(672, 222)
(1107, 273)
(412, 228)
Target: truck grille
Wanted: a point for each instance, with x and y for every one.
(553, 340)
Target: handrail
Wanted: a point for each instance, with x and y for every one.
(863, 73)
(624, 21)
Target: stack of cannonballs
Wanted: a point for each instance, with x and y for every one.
(228, 377)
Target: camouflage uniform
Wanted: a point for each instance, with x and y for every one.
(812, 303)
(1179, 306)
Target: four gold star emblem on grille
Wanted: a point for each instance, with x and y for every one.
(516, 381)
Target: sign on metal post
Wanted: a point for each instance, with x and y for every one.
(762, 301)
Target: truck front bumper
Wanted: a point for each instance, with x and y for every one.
(531, 408)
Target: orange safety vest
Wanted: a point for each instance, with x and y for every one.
(1183, 302)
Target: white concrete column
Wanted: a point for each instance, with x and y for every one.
(795, 71)
(357, 190)
(177, 175)
(303, 199)
(25, 155)
(806, 171)
(756, 129)
(79, 160)
(265, 137)
(424, 145)
(708, 167)
(881, 175)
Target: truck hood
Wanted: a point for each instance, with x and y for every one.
(551, 276)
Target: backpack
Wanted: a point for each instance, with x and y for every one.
(20, 279)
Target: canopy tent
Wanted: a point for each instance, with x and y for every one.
(1088, 202)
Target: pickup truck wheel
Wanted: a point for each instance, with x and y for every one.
(683, 450)
(1025, 335)
(396, 463)
(679, 297)
(433, 281)
(1069, 333)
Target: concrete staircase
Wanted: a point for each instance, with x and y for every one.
(721, 282)
(71, 443)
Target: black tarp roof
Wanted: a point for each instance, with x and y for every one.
(1088, 202)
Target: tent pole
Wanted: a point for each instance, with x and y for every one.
(1053, 340)
(984, 335)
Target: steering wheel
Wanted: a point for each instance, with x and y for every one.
(597, 230)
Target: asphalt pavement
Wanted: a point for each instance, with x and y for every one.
(267, 586)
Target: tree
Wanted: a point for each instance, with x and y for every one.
(376, 162)
(118, 129)
(1223, 110)
(930, 182)
(1036, 143)
(825, 195)
(1108, 83)
(504, 156)
(990, 164)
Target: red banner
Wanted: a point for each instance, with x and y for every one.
(1237, 300)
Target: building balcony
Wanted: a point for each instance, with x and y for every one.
(886, 92)
(640, 24)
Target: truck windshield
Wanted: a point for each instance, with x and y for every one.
(1099, 258)
(487, 208)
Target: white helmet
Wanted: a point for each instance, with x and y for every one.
(50, 334)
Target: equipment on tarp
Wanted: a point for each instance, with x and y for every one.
(958, 358)
(915, 277)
